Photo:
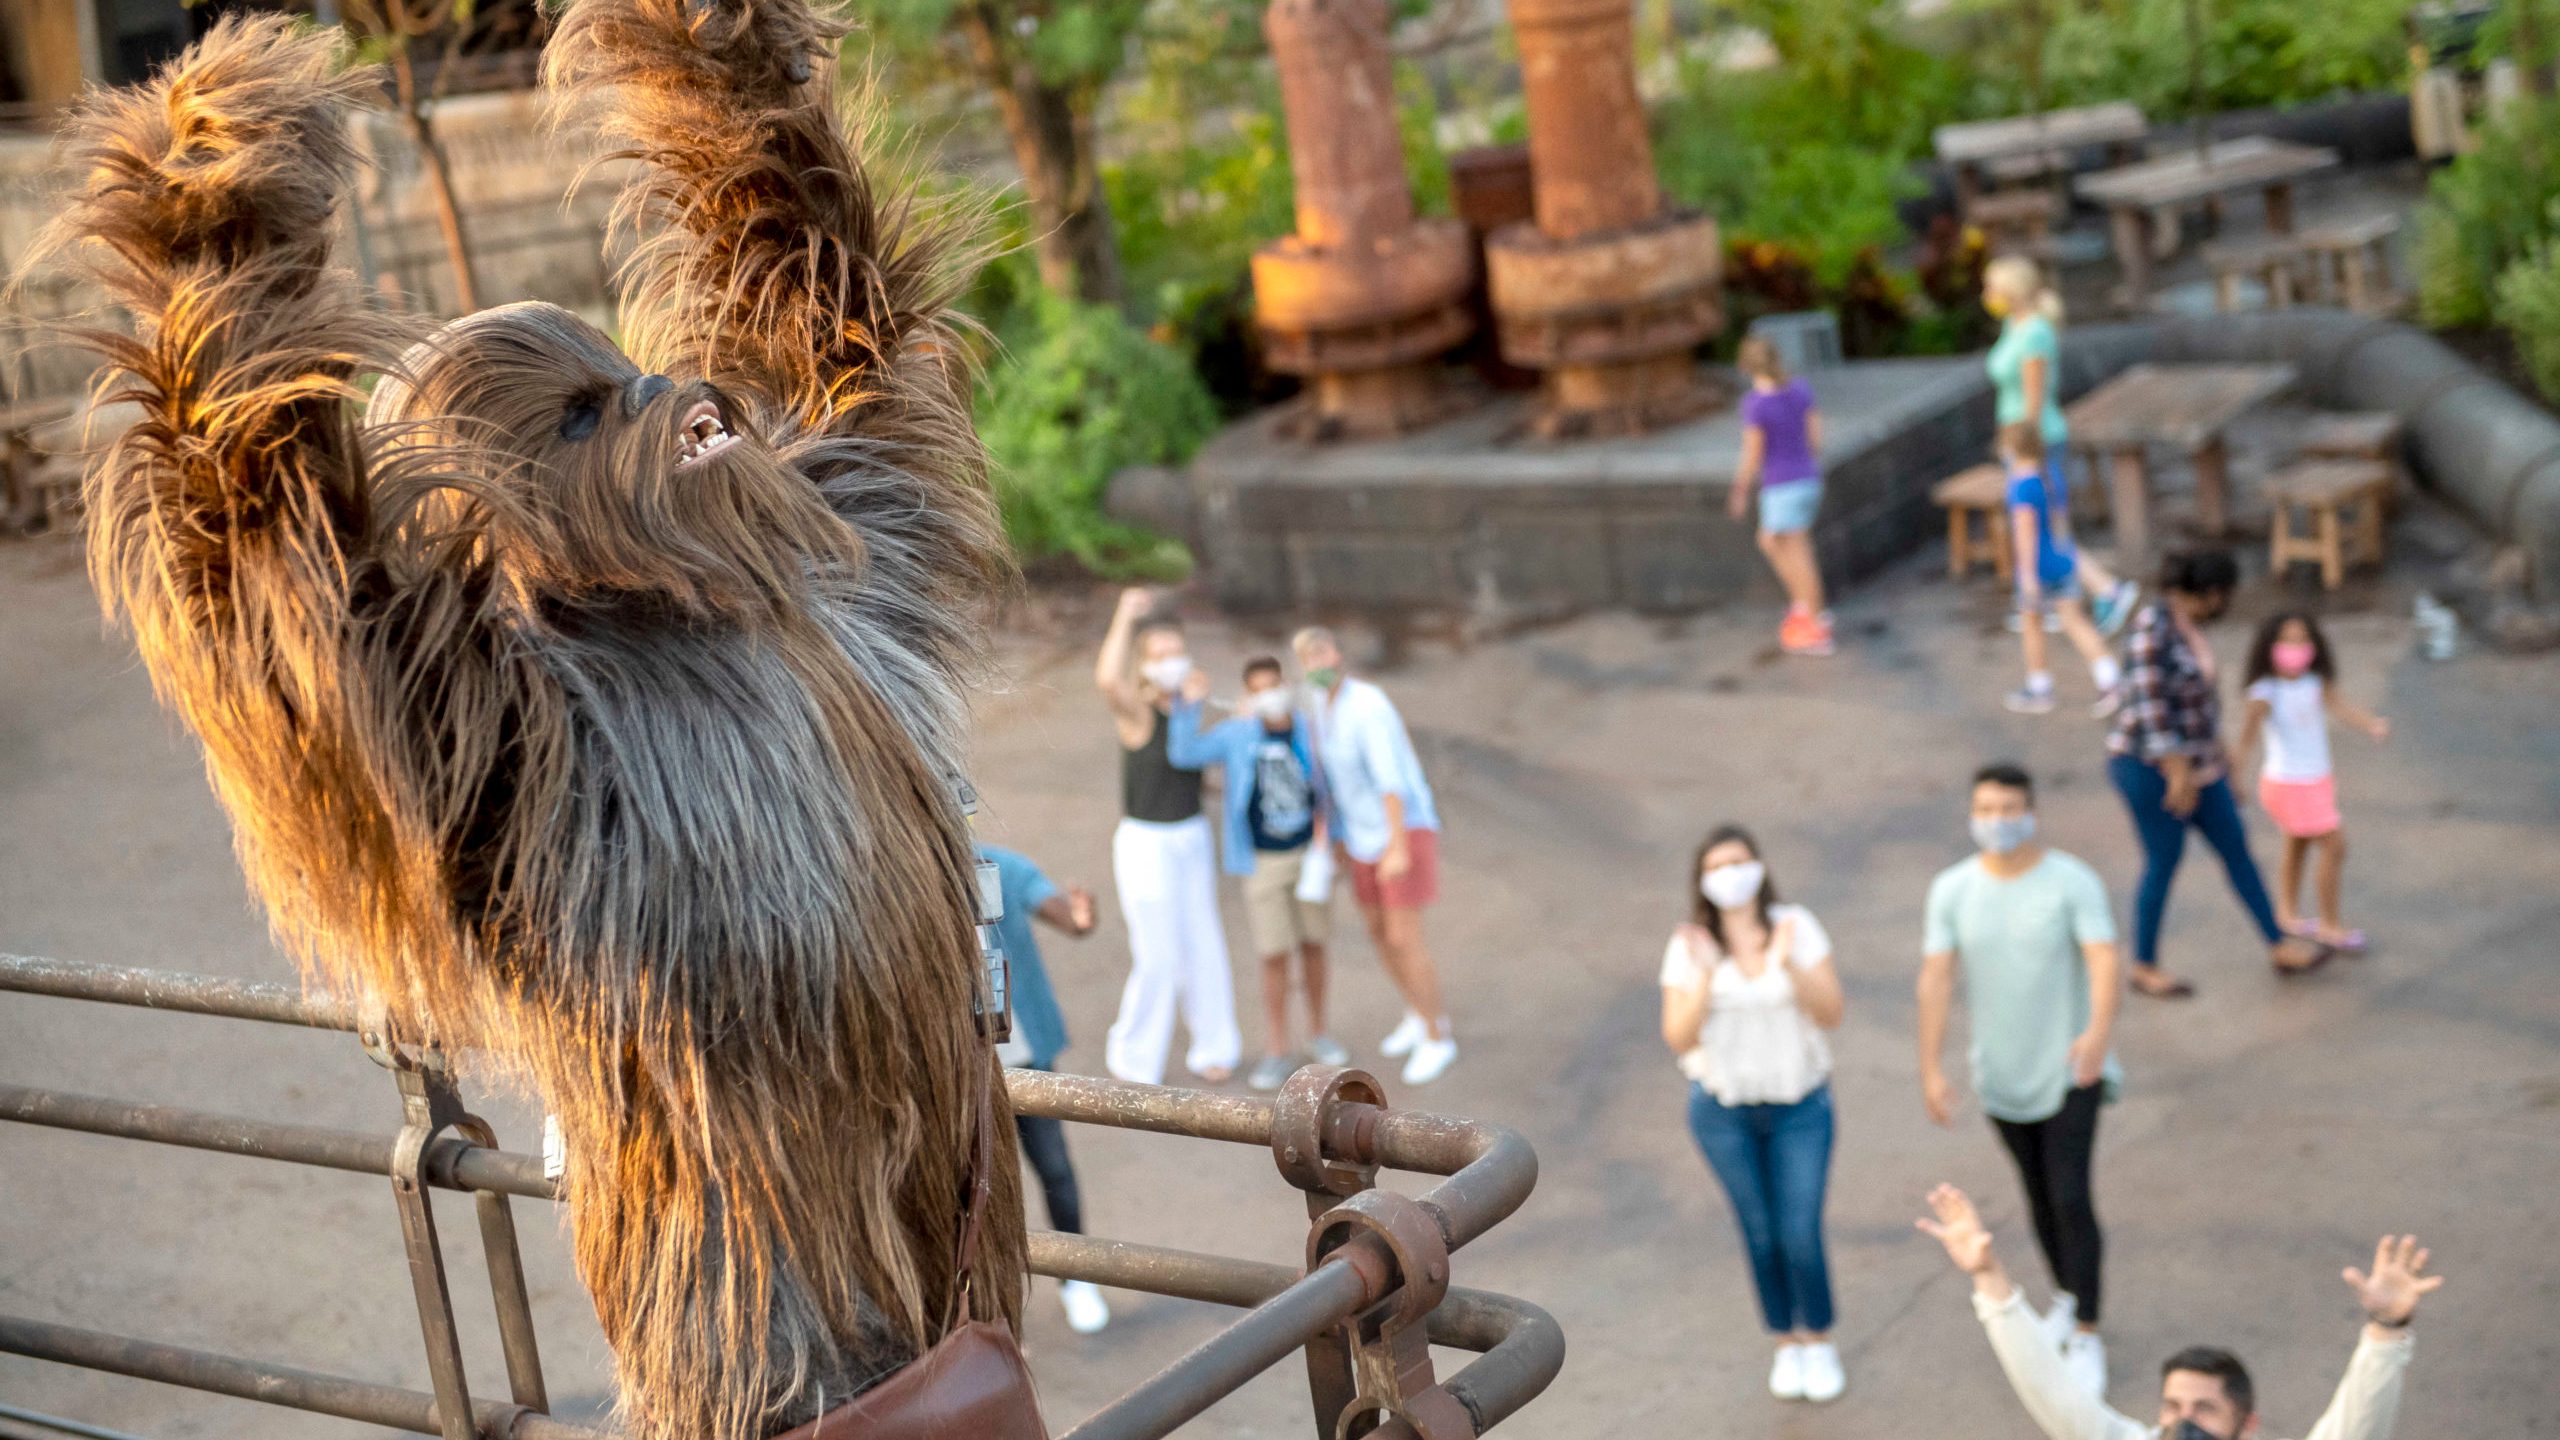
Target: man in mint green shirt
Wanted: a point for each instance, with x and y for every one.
(2030, 930)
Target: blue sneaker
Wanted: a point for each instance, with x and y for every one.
(2116, 607)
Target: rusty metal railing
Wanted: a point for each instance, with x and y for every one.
(1373, 1298)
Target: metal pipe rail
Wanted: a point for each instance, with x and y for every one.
(1328, 1150)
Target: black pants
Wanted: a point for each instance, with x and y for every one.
(1044, 1144)
(2053, 1156)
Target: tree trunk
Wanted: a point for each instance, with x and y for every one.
(2526, 34)
(457, 245)
(1053, 147)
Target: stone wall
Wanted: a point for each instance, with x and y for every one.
(1469, 522)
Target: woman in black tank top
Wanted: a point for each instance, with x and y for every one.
(1151, 788)
(1164, 860)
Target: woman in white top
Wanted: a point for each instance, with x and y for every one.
(1747, 990)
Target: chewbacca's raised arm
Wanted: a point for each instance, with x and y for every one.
(770, 261)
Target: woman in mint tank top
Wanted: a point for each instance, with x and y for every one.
(2025, 365)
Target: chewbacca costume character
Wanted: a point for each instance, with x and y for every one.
(605, 720)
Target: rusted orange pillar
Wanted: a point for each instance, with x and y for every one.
(1608, 290)
(1363, 296)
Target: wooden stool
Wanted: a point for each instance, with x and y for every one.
(2358, 435)
(2015, 221)
(2351, 264)
(2327, 489)
(2281, 266)
(1984, 491)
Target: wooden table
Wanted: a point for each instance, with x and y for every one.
(2135, 194)
(2186, 407)
(2049, 135)
(18, 424)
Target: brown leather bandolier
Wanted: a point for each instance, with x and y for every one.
(972, 1385)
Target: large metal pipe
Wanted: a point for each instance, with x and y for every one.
(2493, 453)
(284, 1385)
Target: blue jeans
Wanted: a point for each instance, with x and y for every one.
(2164, 841)
(1774, 1162)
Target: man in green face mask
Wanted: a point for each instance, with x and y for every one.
(2205, 1392)
(1388, 831)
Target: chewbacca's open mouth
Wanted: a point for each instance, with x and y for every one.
(702, 434)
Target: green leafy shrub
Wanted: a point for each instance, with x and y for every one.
(2257, 53)
(2528, 305)
(1077, 394)
(2486, 211)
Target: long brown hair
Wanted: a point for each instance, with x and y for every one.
(1702, 910)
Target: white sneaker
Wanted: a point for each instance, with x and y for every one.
(1402, 1039)
(1430, 1060)
(2086, 1355)
(1087, 1311)
(1786, 1373)
(1819, 1367)
(2060, 1319)
(1325, 1050)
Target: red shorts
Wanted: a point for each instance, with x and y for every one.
(1418, 886)
(2302, 809)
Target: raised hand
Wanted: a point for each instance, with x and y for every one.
(2390, 1292)
(1954, 1223)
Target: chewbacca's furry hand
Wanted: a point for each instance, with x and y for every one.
(237, 150)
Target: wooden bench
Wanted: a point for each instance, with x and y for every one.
(2351, 264)
(2015, 221)
(2343, 499)
(2282, 267)
(1982, 490)
(2358, 435)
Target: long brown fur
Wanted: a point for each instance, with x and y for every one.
(635, 776)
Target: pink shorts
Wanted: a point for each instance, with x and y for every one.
(1417, 887)
(2302, 809)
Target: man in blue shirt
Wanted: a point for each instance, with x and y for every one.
(1039, 1034)
(1274, 831)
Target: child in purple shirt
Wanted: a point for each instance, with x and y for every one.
(1781, 443)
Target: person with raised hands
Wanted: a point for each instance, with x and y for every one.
(2205, 1392)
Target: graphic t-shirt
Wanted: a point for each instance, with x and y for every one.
(1281, 812)
(2297, 727)
(1786, 454)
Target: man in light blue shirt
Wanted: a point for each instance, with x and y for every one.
(1388, 831)
(2030, 930)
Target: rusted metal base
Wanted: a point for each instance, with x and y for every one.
(1628, 397)
(1373, 404)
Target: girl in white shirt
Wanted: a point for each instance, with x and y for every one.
(1747, 990)
(2290, 698)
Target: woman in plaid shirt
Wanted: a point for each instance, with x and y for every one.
(2166, 759)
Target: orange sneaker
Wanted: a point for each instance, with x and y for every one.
(1802, 634)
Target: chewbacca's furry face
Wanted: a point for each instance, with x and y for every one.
(614, 483)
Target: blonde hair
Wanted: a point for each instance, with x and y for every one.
(1759, 360)
(2022, 281)
(2023, 439)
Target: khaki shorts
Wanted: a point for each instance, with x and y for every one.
(1277, 919)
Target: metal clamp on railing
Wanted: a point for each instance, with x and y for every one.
(430, 1106)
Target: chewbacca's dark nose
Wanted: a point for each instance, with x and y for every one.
(637, 395)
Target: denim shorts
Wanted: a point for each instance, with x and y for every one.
(1788, 506)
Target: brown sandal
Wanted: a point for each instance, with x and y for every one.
(2169, 989)
(2319, 957)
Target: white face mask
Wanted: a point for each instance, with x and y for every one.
(1730, 887)
(1271, 706)
(1168, 673)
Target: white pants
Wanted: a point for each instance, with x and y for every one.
(1168, 880)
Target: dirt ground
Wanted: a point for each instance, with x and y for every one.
(2268, 1132)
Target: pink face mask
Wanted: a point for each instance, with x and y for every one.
(2292, 657)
